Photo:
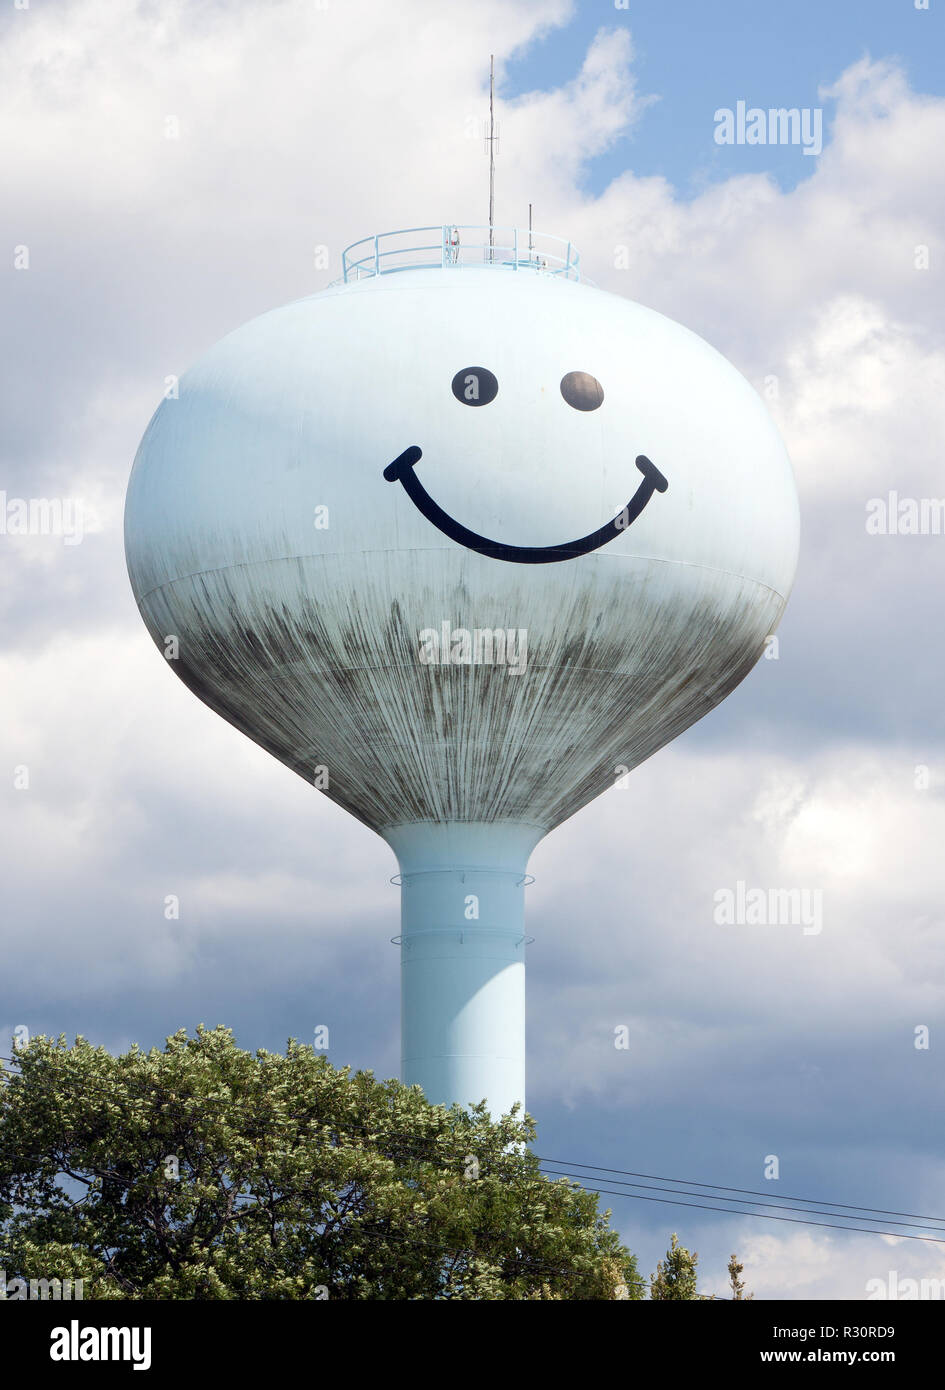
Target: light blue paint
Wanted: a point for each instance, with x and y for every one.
(462, 949)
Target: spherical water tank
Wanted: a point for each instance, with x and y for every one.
(459, 545)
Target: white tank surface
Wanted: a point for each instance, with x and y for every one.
(474, 539)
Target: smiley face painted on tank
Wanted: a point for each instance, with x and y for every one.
(479, 387)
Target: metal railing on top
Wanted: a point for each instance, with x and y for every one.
(430, 248)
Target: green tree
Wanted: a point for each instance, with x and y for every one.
(675, 1277)
(734, 1278)
(201, 1171)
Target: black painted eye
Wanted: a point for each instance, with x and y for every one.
(582, 390)
(475, 386)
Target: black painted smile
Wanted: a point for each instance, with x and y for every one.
(402, 469)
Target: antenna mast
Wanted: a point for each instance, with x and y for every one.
(491, 155)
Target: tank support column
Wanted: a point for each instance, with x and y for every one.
(463, 960)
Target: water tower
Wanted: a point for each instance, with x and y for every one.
(459, 540)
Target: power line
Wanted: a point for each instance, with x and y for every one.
(777, 1206)
(749, 1191)
(795, 1221)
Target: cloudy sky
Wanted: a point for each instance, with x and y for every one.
(171, 170)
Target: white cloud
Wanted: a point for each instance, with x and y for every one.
(702, 998)
(812, 1265)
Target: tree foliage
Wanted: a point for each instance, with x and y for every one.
(736, 1283)
(202, 1171)
(675, 1277)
